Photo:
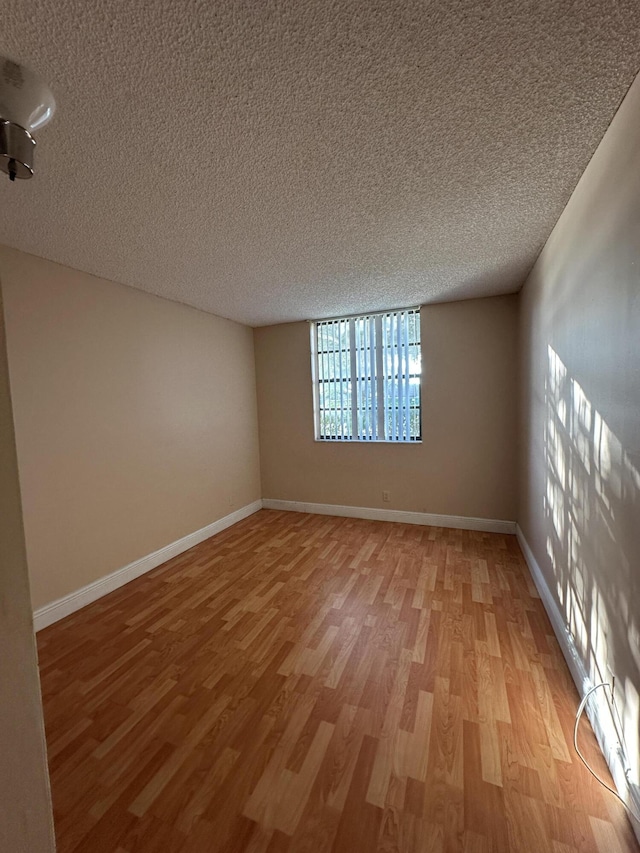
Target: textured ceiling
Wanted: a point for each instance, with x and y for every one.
(271, 161)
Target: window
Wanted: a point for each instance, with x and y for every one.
(366, 377)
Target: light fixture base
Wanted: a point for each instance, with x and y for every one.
(17, 148)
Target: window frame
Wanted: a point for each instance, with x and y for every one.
(315, 378)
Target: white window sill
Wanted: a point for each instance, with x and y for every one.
(365, 441)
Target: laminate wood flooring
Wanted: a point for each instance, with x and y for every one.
(309, 683)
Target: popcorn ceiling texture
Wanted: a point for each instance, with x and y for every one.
(271, 161)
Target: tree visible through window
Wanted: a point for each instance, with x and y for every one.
(367, 377)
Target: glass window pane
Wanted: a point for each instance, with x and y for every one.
(368, 373)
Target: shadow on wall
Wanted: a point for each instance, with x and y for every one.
(591, 510)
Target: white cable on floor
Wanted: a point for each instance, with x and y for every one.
(584, 760)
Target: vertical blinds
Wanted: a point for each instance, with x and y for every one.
(367, 375)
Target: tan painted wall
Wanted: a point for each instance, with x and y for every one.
(580, 485)
(26, 824)
(466, 464)
(135, 420)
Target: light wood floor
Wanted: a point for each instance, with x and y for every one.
(308, 683)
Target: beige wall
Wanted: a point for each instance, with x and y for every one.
(580, 485)
(466, 464)
(26, 824)
(135, 420)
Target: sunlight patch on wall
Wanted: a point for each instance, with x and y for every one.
(590, 481)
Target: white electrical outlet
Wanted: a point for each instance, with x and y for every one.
(385, 497)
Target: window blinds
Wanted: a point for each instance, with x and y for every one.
(367, 377)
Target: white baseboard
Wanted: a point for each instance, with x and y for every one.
(485, 525)
(597, 708)
(50, 613)
(56, 610)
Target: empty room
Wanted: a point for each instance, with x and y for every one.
(320, 426)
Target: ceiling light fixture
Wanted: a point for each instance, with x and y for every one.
(26, 104)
